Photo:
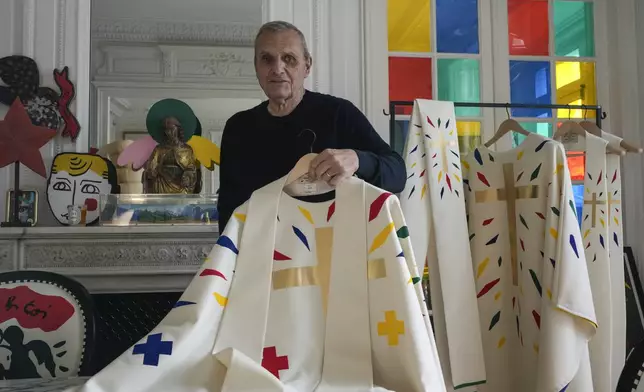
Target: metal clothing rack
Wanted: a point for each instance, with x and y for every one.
(599, 113)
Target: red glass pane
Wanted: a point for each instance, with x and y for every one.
(409, 78)
(577, 166)
(528, 27)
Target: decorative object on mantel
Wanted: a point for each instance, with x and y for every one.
(20, 142)
(75, 182)
(172, 153)
(27, 207)
(45, 106)
(129, 180)
(178, 209)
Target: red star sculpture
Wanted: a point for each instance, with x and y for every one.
(20, 140)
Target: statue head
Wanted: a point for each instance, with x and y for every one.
(173, 131)
(79, 179)
(171, 121)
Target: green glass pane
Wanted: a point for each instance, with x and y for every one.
(459, 81)
(574, 29)
(544, 129)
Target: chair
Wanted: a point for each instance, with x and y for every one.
(46, 326)
(630, 378)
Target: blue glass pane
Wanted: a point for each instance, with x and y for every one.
(457, 26)
(578, 192)
(530, 83)
(544, 129)
(400, 135)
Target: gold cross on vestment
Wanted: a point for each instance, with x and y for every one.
(442, 143)
(319, 275)
(510, 194)
(392, 328)
(594, 202)
(610, 203)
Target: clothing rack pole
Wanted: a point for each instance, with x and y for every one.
(599, 114)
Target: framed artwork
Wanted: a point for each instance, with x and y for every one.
(133, 135)
(27, 206)
(634, 301)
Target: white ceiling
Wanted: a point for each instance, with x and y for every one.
(192, 11)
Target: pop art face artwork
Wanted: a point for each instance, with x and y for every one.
(78, 180)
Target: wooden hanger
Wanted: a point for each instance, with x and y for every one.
(509, 125)
(595, 130)
(301, 168)
(575, 128)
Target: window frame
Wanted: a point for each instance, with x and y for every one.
(484, 57)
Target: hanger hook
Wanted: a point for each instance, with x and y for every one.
(585, 111)
(314, 137)
(507, 110)
(569, 110)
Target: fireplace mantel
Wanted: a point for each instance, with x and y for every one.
(111, 259)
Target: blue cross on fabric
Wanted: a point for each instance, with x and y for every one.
(153, 349)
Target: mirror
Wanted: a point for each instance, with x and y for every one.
(144, 51)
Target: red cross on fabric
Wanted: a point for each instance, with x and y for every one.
(273, 363)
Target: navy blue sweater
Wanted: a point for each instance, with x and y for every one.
(258, 148)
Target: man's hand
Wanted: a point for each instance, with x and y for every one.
(334, 166)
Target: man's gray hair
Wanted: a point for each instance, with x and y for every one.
(279, 26)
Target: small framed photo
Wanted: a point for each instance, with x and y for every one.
(27, 207)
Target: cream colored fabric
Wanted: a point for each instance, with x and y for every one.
(434, 208)
(595, 237)
(616, 240)
(295, 296)
(533, 290)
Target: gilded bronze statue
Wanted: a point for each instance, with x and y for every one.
(173, 151)
(172, 167)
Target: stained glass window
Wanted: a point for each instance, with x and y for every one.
(434, 53)
(552, 60)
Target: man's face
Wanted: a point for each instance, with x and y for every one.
(280, 64)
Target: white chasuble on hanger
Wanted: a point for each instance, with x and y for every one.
(295, 296)
(434, 208)
(533, 290)
(594, 228)
(616, 235)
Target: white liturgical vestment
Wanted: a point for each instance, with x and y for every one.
(533, 290)
(595, 237)
(616, 235)
(295, 296)
(434, 208)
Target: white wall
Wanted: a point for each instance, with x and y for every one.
(55, 33)
(626, 100)
(192, 11)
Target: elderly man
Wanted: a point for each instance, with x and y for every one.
(262, 144)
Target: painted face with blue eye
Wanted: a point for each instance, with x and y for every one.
(65, 189)
(75, 180)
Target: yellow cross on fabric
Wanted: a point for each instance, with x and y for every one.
(510, 194)
(391, 327)
(442, 143)
(594, 202)
(318, 275)
(610, 203)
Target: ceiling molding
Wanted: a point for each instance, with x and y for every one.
(128, 30)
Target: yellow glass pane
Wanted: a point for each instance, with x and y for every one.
(469, 135)
(408, 25)
(575, 83)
